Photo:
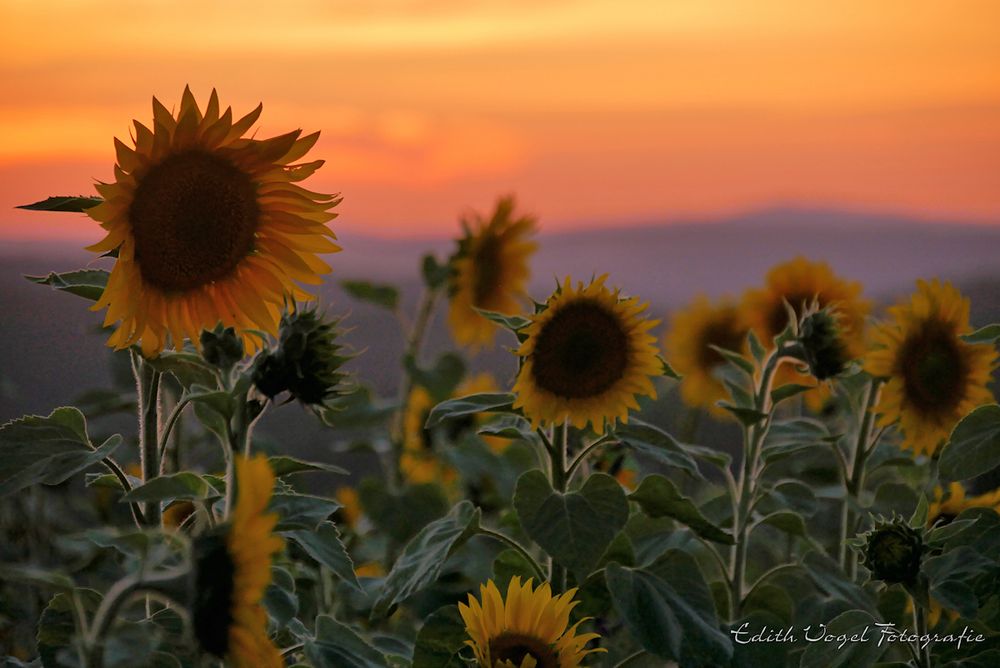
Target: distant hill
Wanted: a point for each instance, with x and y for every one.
(51, 347)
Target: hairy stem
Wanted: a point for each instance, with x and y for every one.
(557, 573)
(855, 478)
(148, 385)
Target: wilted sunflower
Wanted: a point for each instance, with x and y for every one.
(489, 271)
(802, 283)
(420, 462)
(528, 629)
(687, 345)
(209, 226)
(933, 377)
(587, 356)
(232, 570)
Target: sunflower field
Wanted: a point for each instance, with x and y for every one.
(791, 478)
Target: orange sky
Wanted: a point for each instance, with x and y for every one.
(593, 111)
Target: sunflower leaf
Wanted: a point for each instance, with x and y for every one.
(337, 645)
(384, 295)
(86, 283)
(283, 465)
(188, 368)
(324, 545)
(574, 528)
(747, 416)
(301, 511)
(440, 639)
(974, 447)
(184, 485)
(659, 497)
(423, 557)
(858, 653)
(488, 402)
(788, 391)
(439, 380)
(77, 204)
(658, 444)
(667, 370)
(435, 273)
(47, 450)
(735, 358)
(514, 323)
(987, 334)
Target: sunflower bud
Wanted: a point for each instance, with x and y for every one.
(307, 361)
(823, 348)
(893, 551)
(221, 347)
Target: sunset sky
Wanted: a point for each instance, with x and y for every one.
(595, 112)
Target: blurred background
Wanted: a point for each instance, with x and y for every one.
(683, 147)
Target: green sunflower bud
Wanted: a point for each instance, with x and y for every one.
(221, 347)
(893, 551)
(307, 362)
(823, 345)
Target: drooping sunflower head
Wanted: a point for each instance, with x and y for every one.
(525, 629)
(934, 378)
(209, 226)
(232, 570)
(823, 345)
(307, 361)
(588, 355)
(421, 461)
(946, 507)
(688, 345)
(489, 271)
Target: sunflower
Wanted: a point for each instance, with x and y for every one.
(527, 629)
(489, 271)
(933, 377)
(687, 344)
(233, 568)
(587, 356)
(803, 283)
(209, 226)
(420, 462)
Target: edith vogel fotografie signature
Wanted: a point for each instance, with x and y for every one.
(883, 634)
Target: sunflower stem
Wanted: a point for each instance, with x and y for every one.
(148, 384)
(112, 466)
(517, 547)
(923, 653)
(854, 481)
(414, 342)
(557, 572)
(580, 458)
(168, 426)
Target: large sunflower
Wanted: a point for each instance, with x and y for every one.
(233, 568)
(804, 283)
(489, 271)
(687, 345)
(587, 356)
(528, 629)
(933, 377)
(420, 461)
(209, 226)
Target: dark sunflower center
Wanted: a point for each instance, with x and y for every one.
(213, 595)
(193, 217)
(514, 647)
(933, 369)
(581, 352)
(486, 270)
(777, 319)
(722, 333)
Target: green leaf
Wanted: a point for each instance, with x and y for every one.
(788, 521)
(950, 576)
(747, 416)
(435, 273)
(283, 465)
(188, 368)
(514, 323)
(39, 577)
(70, 204)
(86, 283)
(380, 294)
(974, 447)
(324, 545)
(473, 404)
(827, 575)
(441, 379)
(57, 627)
(987, 334)
(757, 349)
(440, 639)
(851, 651)
(301, 511)
(279, 597)
(918, 519)
(402, 515)
(337, 646)
(668, 609)
(508, 564)
(667, 370)
(736, 359)
(47, 450)
(656, 443)
(659, 497)
(788, 391)
(184, 485)
(423, 557)
(788, 495)
(574, 528)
